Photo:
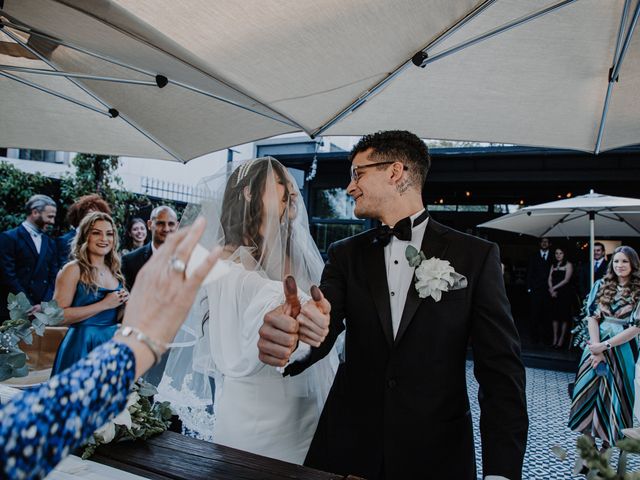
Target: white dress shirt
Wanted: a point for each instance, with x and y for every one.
(399, 272)
(543, 254)
(35, 233)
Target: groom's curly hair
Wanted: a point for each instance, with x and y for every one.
(401, 146)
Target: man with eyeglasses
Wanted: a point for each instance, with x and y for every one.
(398, 407)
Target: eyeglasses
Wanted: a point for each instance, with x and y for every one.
(355, 176)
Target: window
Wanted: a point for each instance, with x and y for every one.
(333, 218)
(333, 203)
(473, 208)
(506, 208)
(327, 232)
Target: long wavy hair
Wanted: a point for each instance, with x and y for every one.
(242, 207)
(631, 291)
(79, 252)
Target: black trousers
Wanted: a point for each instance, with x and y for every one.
(539, 311)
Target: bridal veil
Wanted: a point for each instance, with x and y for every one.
(255, 212)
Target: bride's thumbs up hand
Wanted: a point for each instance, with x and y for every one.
(279, 332)
(291, 300)
(314, 319)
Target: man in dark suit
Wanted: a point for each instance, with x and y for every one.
(28, 256)
(398, 407)
(77, 211)
(538, 290)
(163, 222)
(600, 265)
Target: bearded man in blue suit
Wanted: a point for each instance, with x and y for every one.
(28, 256)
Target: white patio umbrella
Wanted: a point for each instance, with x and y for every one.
(555, 73)
(575, 217)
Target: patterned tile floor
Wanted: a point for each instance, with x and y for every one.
(548, 405)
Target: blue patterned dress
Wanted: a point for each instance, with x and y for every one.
(84, 336)
(603, 406)
(40, 427)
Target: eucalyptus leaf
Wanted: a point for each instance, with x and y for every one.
(6, 372)
(39, 327)
(577, 466)
(28, 338)
(17, 313)
(559, 452)
(413, 256)
(21, 371)
(147, 390)
(16, 359)
(23, 301)
(411, 252)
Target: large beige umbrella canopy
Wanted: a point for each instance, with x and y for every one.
(575, 217)
(533, 72)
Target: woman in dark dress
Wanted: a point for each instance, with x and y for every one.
(561, 291)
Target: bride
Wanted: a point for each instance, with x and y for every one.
(261, 223)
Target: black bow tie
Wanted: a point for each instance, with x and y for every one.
(401, 230)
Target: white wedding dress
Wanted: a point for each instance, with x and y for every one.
(255, 211)
(256, 409)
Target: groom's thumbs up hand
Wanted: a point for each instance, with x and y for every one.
(314, 319)
(279, 332)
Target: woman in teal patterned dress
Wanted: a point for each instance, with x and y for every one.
(602, 405)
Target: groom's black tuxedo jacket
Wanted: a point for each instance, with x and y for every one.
(398, 408)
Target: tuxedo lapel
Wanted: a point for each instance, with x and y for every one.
(376, 274)
(433, 245)
(26, 238)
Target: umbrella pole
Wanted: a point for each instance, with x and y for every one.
(592, 217)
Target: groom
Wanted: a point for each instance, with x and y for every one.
(398, 407)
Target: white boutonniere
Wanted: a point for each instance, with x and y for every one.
(433, 275)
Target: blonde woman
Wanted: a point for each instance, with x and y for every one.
(90, 290)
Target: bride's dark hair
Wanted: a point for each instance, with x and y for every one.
(242, 206)
(631, 291)
(242, 210)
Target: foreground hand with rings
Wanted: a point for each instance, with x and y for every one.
(39, 427)
(163, 295)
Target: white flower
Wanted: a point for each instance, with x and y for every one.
(434, 276)
(108, 431)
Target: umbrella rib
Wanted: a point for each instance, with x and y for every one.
(83, 76)
(615, 68)
(284, 119)
(625, 221)
(421, 58)
(362, 98)
(55, 94)
(546, 232)
(18, 40)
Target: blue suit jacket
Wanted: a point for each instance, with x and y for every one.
(24, 270)
(63, 243)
